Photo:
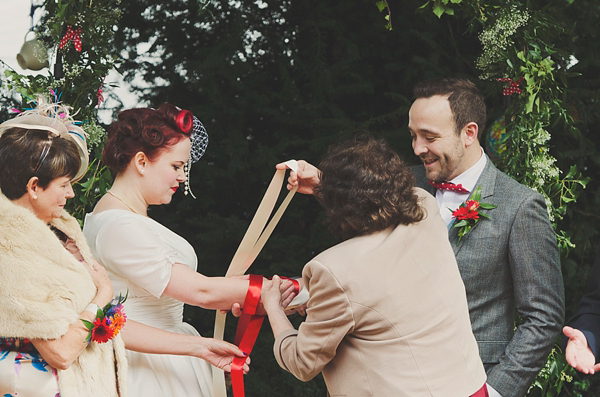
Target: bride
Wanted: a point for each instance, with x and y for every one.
(148, 149)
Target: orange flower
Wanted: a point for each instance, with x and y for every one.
(118, 321)
(472, 205)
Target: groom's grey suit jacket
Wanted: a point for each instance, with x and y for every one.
(510, 265)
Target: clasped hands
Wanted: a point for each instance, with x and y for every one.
(279, 292)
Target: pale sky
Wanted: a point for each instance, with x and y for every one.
(15, 23)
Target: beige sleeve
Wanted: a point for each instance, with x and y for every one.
(329, 319)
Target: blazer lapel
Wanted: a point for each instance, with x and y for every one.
(487, 181)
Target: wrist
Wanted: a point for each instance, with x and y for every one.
(92, 308)
(271, 305)
(103, 297)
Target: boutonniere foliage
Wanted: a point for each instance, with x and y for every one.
(469, 213)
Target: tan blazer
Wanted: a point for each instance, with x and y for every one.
(387, 316)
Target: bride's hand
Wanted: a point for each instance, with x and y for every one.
(286, 288)
(221, 354)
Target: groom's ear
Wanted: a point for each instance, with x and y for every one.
(470, 131)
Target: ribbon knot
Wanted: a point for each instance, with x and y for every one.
(72, 34)
(458, 188)
(513, 88)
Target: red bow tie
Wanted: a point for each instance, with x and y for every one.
(449, 186)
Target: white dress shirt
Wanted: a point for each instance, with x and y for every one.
(449, 200)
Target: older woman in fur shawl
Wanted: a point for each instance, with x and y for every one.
(49, 280)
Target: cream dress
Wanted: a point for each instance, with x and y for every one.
(138, 254)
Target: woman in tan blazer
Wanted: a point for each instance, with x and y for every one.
(387, 314)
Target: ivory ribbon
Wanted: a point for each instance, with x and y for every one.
(254, 240)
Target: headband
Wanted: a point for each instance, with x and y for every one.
(56, 119)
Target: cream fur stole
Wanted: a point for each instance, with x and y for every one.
(43, 290)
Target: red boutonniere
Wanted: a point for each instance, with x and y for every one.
(469, 213)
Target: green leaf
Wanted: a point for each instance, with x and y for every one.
(438, 10)
(424, 5)
(461, 223)
(487, 206)
(87, 324)
(381, 5)
(530, 103)
(476, 194)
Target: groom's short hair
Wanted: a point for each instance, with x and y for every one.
(466, 101)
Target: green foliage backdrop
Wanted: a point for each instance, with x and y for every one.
(284, 79)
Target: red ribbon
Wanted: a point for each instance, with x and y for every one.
(248, 329)
(483, 392)
(513, 88)
(72, 34)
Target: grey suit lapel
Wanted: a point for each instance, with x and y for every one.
(487, 181)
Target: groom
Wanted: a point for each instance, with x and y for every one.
(509, 263)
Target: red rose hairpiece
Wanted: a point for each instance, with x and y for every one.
(185, 121)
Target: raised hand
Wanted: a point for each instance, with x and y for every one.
(578, 353)
(306, 178)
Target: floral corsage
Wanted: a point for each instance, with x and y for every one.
(108, 322)
(468, 213)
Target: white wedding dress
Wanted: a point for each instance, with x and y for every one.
(138, 253)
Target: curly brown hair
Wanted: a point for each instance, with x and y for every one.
(146, 130)
(365, 187)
